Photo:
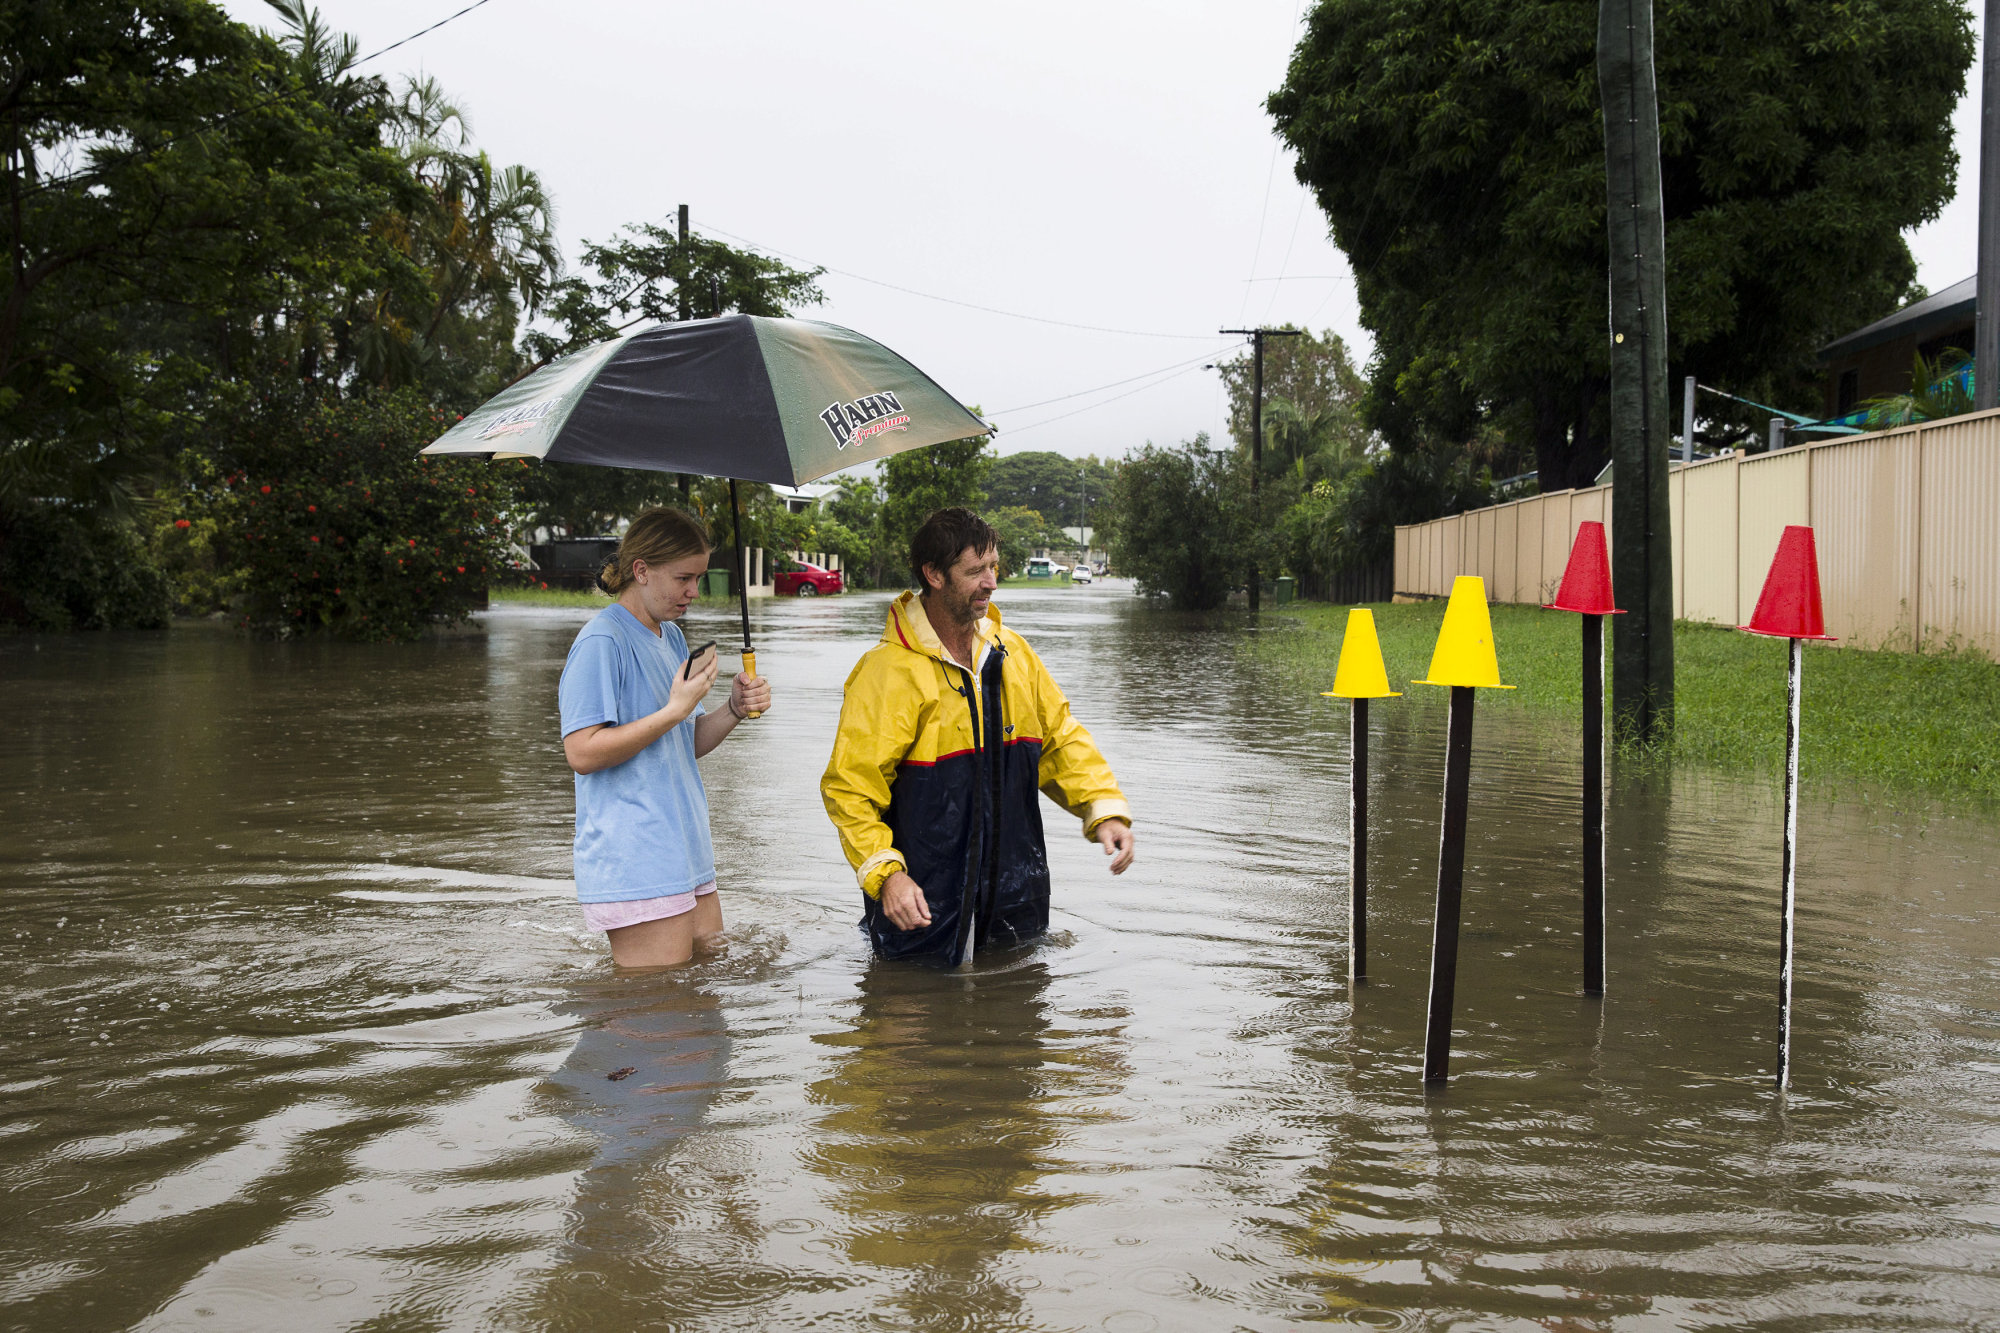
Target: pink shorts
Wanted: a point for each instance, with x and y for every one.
(616, 916)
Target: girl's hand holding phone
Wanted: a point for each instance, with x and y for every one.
(693, 682)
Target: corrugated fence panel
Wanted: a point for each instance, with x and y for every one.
(1555, 541)
(1771, 495)
(1907, 524)
(1705, 546)
(1530, 558)
(1960, 587)
(1864, 510)
(1506, 552)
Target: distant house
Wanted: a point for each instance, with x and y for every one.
(798, 499)
(1874, 362)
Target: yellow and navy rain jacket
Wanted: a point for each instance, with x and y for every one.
(934, 772)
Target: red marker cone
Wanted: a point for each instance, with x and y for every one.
(1586, 589)
(1789, 607)
(1586, 585)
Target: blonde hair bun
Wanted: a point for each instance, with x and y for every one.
(658, 537)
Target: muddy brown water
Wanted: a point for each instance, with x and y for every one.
(302, 1030)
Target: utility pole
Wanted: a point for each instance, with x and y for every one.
(680, 286)
(681, 291)
(1986, 324)
(1257, 337)
(1083, 513)
(1642, 641)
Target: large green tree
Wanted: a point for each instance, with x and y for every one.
(214, 234)
(1065, 491)
(1184, 522)
(187, 201)
(1457, 152)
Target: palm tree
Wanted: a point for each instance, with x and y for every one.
(1315, 446)
(1938, 389)
(483, 238)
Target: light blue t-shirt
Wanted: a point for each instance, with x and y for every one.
(641, 826)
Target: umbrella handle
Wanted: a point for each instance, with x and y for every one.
(750, 669)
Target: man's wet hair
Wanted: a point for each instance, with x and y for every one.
(944, 537)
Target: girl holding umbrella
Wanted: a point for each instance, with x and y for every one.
(633, 726)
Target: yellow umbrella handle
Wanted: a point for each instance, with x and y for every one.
(750, 669)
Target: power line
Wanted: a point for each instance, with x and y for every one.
(413, 36)
(1297, 216)
(1270, 174)
(1083, 393)
(950, 300)
(1048, 421)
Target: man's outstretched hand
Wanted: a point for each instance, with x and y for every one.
(903, 902)
(1115, 837)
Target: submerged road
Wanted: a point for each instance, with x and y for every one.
(304, 1032)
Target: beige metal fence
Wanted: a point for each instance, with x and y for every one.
(1907, 523)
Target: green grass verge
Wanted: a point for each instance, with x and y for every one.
(1906, 722)
(1023, 581)
(549, 597)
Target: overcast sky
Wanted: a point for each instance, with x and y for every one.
(1084, 163)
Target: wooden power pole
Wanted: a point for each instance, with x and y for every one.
(1642, 644)
(681, 293)
(1256, 337)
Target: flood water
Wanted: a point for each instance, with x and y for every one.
(302, 1029)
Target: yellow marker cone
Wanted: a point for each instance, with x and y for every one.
(1464, 653)
(1360, 673)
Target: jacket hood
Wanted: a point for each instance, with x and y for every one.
(910, 627)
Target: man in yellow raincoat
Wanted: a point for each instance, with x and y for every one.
(950, 726)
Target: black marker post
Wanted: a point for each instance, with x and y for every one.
(1464, 659)
(1358, 677)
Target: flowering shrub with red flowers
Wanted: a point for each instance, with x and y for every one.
(326, 519)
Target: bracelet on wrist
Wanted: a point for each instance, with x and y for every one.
(740, 717)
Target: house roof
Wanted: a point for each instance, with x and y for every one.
(1949, 309)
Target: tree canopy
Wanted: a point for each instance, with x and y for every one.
(1457, 153)
(232, 255)
(1312, 392)
(1065, 491)
(1184, 522)
(191, 203)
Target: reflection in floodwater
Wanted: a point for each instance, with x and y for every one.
(304, 1031)
(644, 1068)
(945, 1106)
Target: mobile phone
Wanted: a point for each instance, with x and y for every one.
(687, 672)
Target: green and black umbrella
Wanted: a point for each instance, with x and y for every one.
(783, 401)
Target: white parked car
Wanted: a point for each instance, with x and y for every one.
(1081, 574)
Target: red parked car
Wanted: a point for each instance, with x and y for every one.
(796, 578)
